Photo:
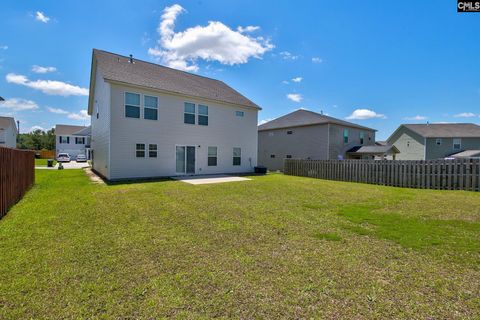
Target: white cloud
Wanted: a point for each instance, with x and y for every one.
(285, 82)
(295, 97)
(50, 87)
(297, 79)
(264, 121)
(31, 129)
(39, 69)
(248, 29)
(4, 47)
(465, 115)
(416, 118)
(213, 42)
(317, 60)
(362, 114)
(82, 115)
(57, 110)
(40, 16)
(288, 55)
(18, 104)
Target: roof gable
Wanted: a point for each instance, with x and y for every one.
(7, 122)
(69, 130)
(445, 130)
(306, 118)
(118, 68)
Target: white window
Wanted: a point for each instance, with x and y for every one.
(64, 139)
(202, 115)
(140, 150)
(237, 156)
(189, 113)
(152, 150)
(438, 142)
(79, 140)
(132, 105)
(150, 108)
(239, 113)
(212, 156)
(457, 143)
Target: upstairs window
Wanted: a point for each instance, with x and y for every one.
(289, 156)
(152, 150)
(132, 105)
(79, 140)
(438, 142)
(457, 144)
(345, 135)
(150, 108)
(289, 132)
(237, 156)
(140, 150)
(212, 156)
(189, 113)
(239, 113)
(202, 115)
(64, 139)
(362, 137)
(272, 156)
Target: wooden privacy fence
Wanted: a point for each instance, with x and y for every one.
(17, 175)
(430, 174)
(47, 154)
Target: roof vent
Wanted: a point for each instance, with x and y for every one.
(131, 59)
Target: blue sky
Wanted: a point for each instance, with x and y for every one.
(377, 63)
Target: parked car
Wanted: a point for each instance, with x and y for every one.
(81, 158)
(63, 157)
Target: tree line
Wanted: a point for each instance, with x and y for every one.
(37, 140)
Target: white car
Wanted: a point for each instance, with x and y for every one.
(81, 158)
(63, 157)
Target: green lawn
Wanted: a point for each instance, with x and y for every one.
(276, 247)
(43, 162)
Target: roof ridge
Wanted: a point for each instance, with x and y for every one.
(160, 65)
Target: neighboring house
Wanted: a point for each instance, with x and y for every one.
(152, 121)
(468, 154)
(73, 140)
(8, 132)
(309, 135)
(434, 141)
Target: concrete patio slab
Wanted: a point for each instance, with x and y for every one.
(207, 179)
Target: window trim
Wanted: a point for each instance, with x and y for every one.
(233, 157)
(459, 144)
(83, 140)
(156, 150)
(202, 115)
(194, 113)
(208, 156)
(145, 107)
(61, 141)
(125, 105)
(144, 150)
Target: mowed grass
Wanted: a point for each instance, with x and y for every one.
(275, 247)
(43, 162)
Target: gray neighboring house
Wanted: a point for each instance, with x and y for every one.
(309, 135)
(73, 140)
(8, 132)
(153, 121)
(434, 141)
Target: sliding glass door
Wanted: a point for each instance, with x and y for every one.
(185, 159)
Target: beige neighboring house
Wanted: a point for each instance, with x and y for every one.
(153, 121)
(73, 140)
(434, 141)
(8, 132)
(309, 135)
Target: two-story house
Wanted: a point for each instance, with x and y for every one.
(153, 121)
(435, 140)
(306, 134)
(8, 132)
(73, 140)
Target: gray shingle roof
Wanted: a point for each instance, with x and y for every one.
(67, 130)
(446, 130)
(373, 149)
(305, 118)
(466, 154)
(146, 74)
